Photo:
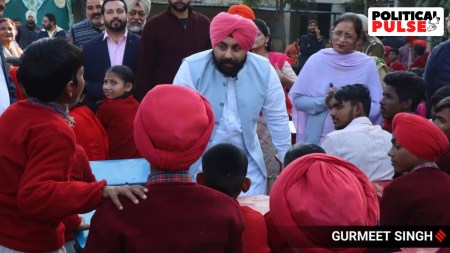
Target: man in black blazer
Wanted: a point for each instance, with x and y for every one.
(116, 46)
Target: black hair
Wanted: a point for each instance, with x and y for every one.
(444, 103)
(407, 86)
(440, 94)
(419, 50)
(124, 72)
(47, 65)
(301, 149)
(357, 24)
(102, 10)
(225, 168)
(51, 17)
(355, 93)
(395, 50)
(264, 28)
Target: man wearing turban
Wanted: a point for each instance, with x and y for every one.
(167, 38)
(138, 11)
(242, 10)
(90, 27)
(28, 32)
(240, 85)
(421, 196)
(179, 215)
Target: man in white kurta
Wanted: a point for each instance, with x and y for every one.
(239, 85)
(356, 139)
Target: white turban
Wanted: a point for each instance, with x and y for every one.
(30, 12)
(145, 4)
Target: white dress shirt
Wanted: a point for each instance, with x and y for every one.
(364, 145)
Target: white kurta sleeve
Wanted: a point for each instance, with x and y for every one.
(183, 76)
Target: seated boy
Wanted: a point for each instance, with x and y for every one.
(38, 150)
(180, 215)
(224, 169)
(420, 196)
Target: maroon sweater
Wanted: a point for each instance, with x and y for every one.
(36, 158)
(164, 44)
(176, 217)
(420, 198)
(444, 162)
(117, 117)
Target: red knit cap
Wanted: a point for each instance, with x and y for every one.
(172, 127)
(321, 190)
(224, 25)
(419, 136)
(420, 42)
(242, 10)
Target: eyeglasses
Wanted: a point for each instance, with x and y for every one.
(339, 34)
(139, 13)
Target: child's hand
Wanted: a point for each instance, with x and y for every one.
(83, 225)
(129, 191)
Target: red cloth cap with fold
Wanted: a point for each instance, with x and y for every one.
(420, 42)
(321, 190)
(419, 136)
(224, 25)
(172, 127)
(242, 10)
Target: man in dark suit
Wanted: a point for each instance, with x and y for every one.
(116, 46)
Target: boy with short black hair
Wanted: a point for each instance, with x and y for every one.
(224, 169)
(38, 153)
(403, 93)
(442, 120)
(395, 64)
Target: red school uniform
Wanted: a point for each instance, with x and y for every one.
(117, 117)
(38, 149)
(254, 236)
(90, 133)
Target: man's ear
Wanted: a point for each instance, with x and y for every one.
(359, 109)
(199, 178)
(406, 104)
(246, 185)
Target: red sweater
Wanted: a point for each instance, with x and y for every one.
(90, 133)
(36, 157)
(255, 232)
(420, 198)
(177, 217)
(117, 116)
(396, 66)
(81, 171)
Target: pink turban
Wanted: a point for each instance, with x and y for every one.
(225, 25)
(172, 127)
(242, 10)
(419, 136)
(321, 190)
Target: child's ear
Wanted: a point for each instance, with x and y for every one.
(406, 104)
(128, 86)
(199, 178)
(246, 185)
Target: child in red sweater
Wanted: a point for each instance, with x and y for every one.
(117, 112)
(224, 169)
(89, 131)
(38, 151)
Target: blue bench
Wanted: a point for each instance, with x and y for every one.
(116, 172)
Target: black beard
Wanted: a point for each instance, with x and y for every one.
(230, 72)
(174, 7)
(119, 28)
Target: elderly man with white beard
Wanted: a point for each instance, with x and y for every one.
(90, 27)
(138, 11)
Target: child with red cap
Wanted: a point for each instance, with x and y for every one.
(180, 215)
(419, 197)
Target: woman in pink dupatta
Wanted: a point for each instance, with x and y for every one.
(328, 69)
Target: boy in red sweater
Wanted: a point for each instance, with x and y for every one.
(224, 169)
(180, 215)
(38, 153)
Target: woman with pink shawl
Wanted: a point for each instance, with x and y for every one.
(328, 69)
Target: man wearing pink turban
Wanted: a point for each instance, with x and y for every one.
(421, 196)
(180, 215)
(240, 85)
